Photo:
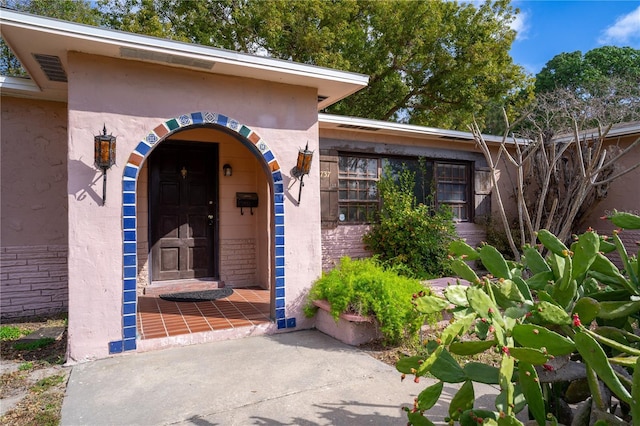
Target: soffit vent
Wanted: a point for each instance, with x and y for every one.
(52, 67)
(143, 55)
(456, 138)
(353, 126)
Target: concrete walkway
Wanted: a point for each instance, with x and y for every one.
(298, 378)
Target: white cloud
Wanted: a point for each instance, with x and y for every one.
(625, 30)
(521, 25)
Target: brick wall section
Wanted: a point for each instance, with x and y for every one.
(33, 281)
(343, 240)
(238, 267)
(346, 240)
(472, 233)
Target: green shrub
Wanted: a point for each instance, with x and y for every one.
(364, 287)
(412, 236)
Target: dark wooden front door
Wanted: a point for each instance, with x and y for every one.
(183, 207)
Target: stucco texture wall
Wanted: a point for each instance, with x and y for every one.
(131, 99)
(623, 195)
(34, 172)
(33, 225)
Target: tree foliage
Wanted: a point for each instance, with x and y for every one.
(590, 73)
(435, 63)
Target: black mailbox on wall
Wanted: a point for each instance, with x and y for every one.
(246, 199)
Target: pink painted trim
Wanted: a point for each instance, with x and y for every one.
(325, 306)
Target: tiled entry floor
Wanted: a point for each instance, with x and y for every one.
(161, 318)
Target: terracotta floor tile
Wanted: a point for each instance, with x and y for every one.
(197, 322)
(245, 307)
(151, 317)
(200, 328)
(147, 328)
(221, 325)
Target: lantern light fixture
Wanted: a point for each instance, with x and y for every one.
(303, 166)
(227, 170)
(104, 156)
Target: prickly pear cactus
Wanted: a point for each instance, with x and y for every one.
(561, 310)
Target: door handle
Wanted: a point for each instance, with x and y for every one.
(210, 217)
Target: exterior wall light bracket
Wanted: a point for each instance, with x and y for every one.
(104, 156)
(303, 166)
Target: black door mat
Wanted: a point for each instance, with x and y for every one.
(198, 296)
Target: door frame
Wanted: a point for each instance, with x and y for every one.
(215, 196)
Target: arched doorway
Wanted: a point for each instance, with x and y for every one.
(275, 223)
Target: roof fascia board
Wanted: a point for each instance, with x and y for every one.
(625, 129)
(18, 84)
(632, 128)
(408, 129)
(123, 39)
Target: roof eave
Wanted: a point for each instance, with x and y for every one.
(332, 85)
(356, 124)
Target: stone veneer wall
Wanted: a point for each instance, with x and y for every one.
(33, 281)
(238, 266)
(472, 233)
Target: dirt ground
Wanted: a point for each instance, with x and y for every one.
(33, 380)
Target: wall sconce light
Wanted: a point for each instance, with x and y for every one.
(105, 156)
(303, 166)
(227, 170)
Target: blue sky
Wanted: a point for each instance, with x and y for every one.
(547, 28)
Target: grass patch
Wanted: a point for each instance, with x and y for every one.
(11, 333)
(39, 402)
(47, 383)
(25, 366)
(42, 409)
(36, 344)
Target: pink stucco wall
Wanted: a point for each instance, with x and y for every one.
(34, 172)
(133, 98)
(623, 195)
(33, 279)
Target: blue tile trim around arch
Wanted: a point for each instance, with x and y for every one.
(129, 196)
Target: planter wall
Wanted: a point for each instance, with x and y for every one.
(350, 329)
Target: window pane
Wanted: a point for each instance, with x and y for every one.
(453, 188)
(460, 211)
(452, 182)
(448, 192)
(422, 170)
(357, 194)
(358, 167)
